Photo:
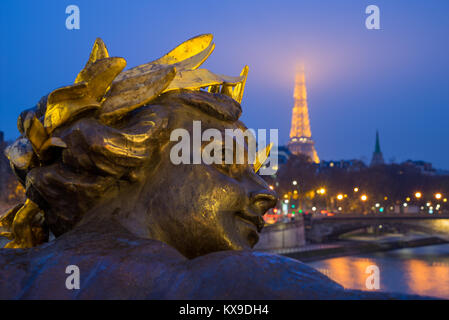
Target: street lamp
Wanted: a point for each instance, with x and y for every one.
(364, 197)
(356, 189)
(295, 182)
(438, 196)
(418, 195)
(340, 197)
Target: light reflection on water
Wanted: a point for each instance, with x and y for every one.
(423, 271)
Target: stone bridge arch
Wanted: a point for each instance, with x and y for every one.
(330, 228)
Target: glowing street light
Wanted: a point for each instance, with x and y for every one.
(407, 199)
(364, 197)
(438, 196)
(321, 191)
(271, 187)
(356, 189)
(418, 195)
(295, 182)
(340, 197)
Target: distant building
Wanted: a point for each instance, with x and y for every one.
(377, 158)
(5, 170)
(283, 154)
(347, 165)
(4, 162)
(421, 166)
(300, 133)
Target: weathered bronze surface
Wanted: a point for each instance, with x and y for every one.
(95, 160)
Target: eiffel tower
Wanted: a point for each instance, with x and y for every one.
(300, 134)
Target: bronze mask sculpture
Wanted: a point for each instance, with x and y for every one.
(94, 158)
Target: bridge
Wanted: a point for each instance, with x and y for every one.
(322, 229)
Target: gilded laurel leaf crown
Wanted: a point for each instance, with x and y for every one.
(103, 86)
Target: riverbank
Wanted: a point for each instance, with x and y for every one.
(310, 253)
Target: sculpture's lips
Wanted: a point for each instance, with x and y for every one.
(255, 220)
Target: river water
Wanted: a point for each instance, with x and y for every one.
(423, 270)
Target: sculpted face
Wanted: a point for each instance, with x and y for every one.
(200, 208)
(97, 152)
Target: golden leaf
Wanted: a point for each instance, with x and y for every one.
(65, 103)
(188, 55)
(261, 157)
(131, 93)
(201, 78)
(99, 51)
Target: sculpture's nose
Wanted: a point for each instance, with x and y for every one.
(263, 200)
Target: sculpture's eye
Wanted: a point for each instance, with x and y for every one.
(228, 163)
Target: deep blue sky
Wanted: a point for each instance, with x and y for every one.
(395, 79)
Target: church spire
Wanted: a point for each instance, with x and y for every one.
(378, 158)
(377, 147)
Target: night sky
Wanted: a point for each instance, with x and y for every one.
(394, 79)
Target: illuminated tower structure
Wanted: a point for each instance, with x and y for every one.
(300, 134)
(377, 158)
